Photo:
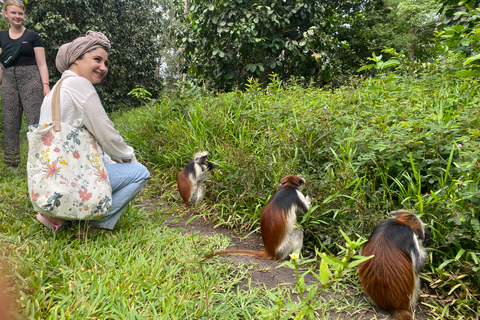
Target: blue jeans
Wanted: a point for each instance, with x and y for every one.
(126, 179)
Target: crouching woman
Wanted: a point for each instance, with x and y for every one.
(84, 61)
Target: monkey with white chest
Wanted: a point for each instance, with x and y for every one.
(280, 234)
(191, 179)
(391, 278)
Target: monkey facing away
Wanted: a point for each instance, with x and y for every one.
(191, 179)
(391, 278)
(280, 234)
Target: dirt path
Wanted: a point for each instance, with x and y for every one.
(264, 272)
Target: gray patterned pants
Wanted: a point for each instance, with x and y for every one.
(22, 91)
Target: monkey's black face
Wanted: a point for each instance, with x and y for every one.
(202, 159)
(301, 184)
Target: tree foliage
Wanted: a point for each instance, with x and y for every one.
(229, 41)
(450, 10)
(409, 27)
(358, 38)
(460, 34)
(232, 40)
(132, 27)
(171, 55)
(460, 26)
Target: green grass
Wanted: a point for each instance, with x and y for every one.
(140, 270)
(366, 149)
(378, 145)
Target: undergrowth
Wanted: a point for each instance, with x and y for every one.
(380, 144)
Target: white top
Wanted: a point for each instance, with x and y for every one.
(80, 106)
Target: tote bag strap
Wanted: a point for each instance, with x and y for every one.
(56, 105)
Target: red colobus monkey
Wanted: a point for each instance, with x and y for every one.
(190, 179)
(280, 234)
(391, 278)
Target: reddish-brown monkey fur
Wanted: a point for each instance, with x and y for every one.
(190, 179)
(391, 278)
(280, 234)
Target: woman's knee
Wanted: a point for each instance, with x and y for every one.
(142, 171)
(122, 174)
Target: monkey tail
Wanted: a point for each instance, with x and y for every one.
(259, 254)
(402, 315)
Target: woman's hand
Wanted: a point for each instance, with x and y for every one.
(46, 89)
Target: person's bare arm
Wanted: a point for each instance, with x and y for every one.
(42, 68)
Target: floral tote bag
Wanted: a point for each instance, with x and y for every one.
(66, 174)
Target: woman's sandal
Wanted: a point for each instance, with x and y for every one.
(47, 222)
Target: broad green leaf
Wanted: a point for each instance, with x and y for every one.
(251, 67)
(465, 73)
(389, 63)
(324, 273)
(475, 224)
(368, 66)
(465, 42)
(332, 261)
(471, 59)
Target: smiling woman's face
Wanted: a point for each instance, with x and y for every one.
(92, 66)
(15, 15)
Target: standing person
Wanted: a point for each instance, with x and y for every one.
(25, 83)
(84, 61)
